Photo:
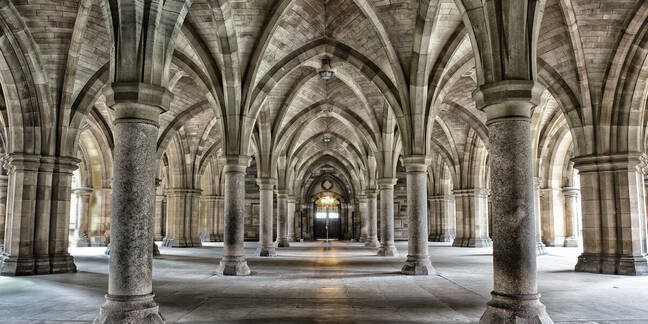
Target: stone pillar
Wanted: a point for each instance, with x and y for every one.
(418, 261)
(372, 217)
(508, 106)
(362, 217)
(571, 215)
(291, 218)
(183, 217)
(266, 246)
(282, 219)
(59, 235)
(83, 216)
(38, 215)
(387, 246)
(106, 206)
(552, 206)
(233, 262)
(159, 222)
(209, 207)
(442, 218)
(540, 246)
(4, 181)
(472, 218)
(219, 222)
(130, 282)
(614, 215)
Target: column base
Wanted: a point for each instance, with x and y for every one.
(540, 249)
(42, 264)
(480, 242)
(156, 250)
(459, 241)
(16, 266)
(372, 242)
(515, 309)
(266, 251)
(233, 266)
(571, 242)
(291, 238)
(388, 249)
(418, 266)
(211, 238)
(62, 264)
(130, 309)
(82, 242)
(613, 264)
(283, 242)
(181, 243)
(442, 238)
(362, 239)
(158, 238)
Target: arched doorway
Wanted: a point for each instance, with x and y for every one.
(327, 218)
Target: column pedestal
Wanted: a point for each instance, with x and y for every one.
(387, 246)
(418, 260)
(233, 262)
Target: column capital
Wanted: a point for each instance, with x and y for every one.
(175, 192)
(362, 198)
(137, 102)
(292, 199)
(282, 194)
(608, 162)
(386, 183)
(266, 183)
(441, 197)
(571, 191)
(416, 163)
(471, 192)
(235, 163)
(372, 193)
(82, 191)
(210, 197)
(508, 99)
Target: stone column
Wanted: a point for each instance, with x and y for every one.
(291, 218)
(219, 222)
(4, 181)
(614, 214)
(59, 235)
(372, 217)
(418, 261)
(540, 246)
(508, 106)
(209, 207)
(387, 246)
(472, 218)
(183, 217)
(159, 219)
(233, 262)
(106, 206)
(282, 219)
(83, 216)
(571, 215)
(362, 217)
(442, 218)
(130, 282)
(266, 246)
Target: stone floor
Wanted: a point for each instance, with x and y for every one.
(309, 283)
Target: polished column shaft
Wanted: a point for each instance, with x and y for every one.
(266, 246)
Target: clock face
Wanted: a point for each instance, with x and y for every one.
(327, 185)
